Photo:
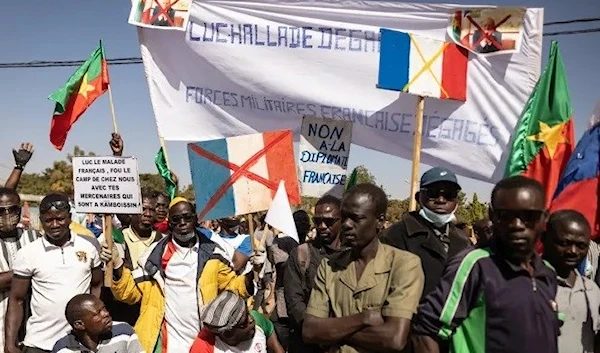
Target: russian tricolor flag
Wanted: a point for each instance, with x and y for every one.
(422, 66)
(579, 185)
(240, 175)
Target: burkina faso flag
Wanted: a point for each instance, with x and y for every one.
(543, 140)
(87, 83)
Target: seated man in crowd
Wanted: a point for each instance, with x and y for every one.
(94, 329)
(230, 327)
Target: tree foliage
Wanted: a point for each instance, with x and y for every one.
(59, 178)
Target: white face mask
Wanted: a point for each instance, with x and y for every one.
(438, 220)
(184, 237)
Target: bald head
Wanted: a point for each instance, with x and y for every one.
(77, 306)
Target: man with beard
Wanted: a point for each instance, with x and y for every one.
(430, 232)
(566, 242)
(94, 329)
(497, 299)
(57, 266)
(302, 264)
(364, 298)
(178, 276)
(11, 240)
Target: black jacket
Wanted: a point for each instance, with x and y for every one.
(416, 235)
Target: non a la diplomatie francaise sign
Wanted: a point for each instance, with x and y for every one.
(324, 150)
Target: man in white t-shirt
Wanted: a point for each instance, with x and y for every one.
(57, 267)
(228, 327)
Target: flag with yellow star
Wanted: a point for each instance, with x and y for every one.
(543, 140)
(87, 83)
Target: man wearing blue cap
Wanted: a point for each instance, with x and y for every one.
(430, 232)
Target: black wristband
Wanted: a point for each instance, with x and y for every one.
(19, 167)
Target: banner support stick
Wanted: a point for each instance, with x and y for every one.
(416, 157)
(164, 148)
(108, 237)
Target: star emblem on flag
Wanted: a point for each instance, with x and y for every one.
(85, 87)
(551, 136)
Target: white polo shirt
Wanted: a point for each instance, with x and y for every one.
(57, 275)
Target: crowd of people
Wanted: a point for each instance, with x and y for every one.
(351, 284)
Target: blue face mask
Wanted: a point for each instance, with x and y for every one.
(438, 220)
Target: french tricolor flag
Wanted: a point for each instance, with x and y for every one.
(241, 174)
(422, 66)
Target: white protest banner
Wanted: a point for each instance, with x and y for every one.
(107, 185)
(258, 65)
(323, 156)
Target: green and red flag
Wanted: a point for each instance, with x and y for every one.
(89, 82)
(543, 140)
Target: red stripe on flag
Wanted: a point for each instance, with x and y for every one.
(454, 72)
(546, 169)
(281, 167)
(581, 196)
(105, 77)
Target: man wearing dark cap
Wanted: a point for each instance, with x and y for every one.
(430, 232)
(228, 326)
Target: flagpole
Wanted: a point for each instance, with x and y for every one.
(112, 109)
(416, 157)
(163, 145)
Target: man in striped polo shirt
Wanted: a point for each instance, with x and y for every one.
(500, 298)
(12, 239)
(94, 330)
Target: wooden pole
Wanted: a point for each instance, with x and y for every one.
(164, 148)
(107, 230)
(416, 157)
(112, 110)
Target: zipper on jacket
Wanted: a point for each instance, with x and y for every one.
(534, 284)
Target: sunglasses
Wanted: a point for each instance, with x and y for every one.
(10, 209)
(433, 194)
(188, 217)
(329, 221)
(529, 217)
(59, 205)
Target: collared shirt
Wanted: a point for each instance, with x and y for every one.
(182, 311)
(8, 254)
(120, 339)
(484, 303)
(136, 246)
(57, 274)
(580, 305)
(391, 282)
(414, 234)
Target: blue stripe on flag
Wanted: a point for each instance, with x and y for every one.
(584, 162)
(207, 177)
(393, 60)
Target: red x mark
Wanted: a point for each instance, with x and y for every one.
(164, 12)
(487, 35)
(238, 171)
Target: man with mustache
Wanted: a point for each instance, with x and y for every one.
(56, 267)
(12, 239)
(364, 298)
(93, 329)
(302, 264)
(177, 277)
(501, 298)
(566, 243)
